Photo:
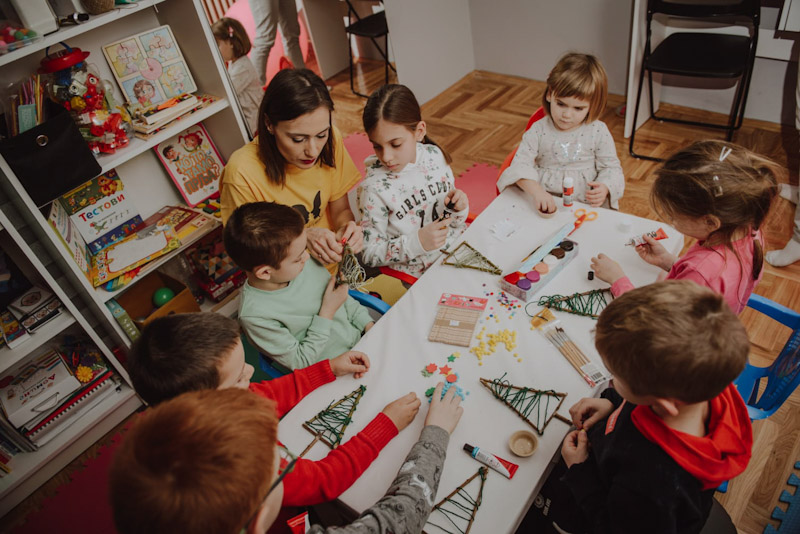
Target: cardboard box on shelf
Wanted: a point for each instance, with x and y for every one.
(139, 302)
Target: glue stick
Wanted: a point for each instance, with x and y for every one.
(504, 467)
(569, 189)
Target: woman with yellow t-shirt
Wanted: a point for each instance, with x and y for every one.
(298, 159)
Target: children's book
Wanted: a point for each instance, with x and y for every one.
(193, 163)
(149, 68)
(35, 387)
(70, 237)
(186, 222)
(128, 254)
(101, 211)
(35, 307)
(13, 332)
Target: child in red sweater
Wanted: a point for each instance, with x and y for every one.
(195, 351)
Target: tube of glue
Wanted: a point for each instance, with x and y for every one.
(569, 190)
(639, 240)
(504, 467)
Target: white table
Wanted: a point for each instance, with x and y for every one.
(399, 349)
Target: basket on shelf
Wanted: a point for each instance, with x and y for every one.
(95, 7)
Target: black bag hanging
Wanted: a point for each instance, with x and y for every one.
(51, 158)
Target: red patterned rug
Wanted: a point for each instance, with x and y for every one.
(82, 505)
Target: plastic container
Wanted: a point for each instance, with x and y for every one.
(13, 37)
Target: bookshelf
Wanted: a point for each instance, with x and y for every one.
(146, 183)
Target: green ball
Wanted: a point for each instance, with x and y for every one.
(162, 295)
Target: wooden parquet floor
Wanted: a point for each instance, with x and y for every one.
(481, 119)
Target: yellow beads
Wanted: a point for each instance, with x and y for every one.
(508, 338)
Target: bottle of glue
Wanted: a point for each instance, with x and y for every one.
(569, 189)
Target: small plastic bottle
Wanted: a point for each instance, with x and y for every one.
(568, 191)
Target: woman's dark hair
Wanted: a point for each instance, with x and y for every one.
(290, 94)
(396, 104)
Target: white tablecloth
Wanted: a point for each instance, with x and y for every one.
(399, 349)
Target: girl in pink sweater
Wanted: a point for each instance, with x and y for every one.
(718, 193)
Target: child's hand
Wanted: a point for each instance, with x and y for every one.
(458, 199)
(332, 299)
(575, 449)
(433, 235)
(368, 326)
(654, 253)
(444, 412)
(606, 269)
(586, 412)
(324, 246)
(353, 234)
(351, 361)
(543, 201)
(597, 194)
(403, 410)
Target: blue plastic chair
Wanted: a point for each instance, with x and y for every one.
(783, 375)
(276, 370)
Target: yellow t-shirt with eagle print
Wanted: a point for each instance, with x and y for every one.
(309, 191)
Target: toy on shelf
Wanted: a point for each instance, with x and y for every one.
(464, 256)
(541, 265)
(211, 206)
(13, 37)
(586, 304)
(72, 84)
(162, 295)
(329, 425)
(528, 402)
(459, 508)
(215, 273)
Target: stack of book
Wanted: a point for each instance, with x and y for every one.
(152, 120)
(45, 395)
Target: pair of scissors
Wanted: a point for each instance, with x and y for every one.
(581, 216)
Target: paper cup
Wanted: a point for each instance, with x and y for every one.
(523, 443)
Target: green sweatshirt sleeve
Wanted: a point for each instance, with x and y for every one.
(357, 314)
(272, 338)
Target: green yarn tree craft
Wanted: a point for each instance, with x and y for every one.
(542, 405)
(329, 425)
(457, 510)
(586, 304)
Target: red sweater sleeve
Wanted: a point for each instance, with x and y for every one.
(288, 390)
(311, 482)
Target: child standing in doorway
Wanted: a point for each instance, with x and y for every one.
(718, 193)
(234, 45)
(410, 208)
(570, 142)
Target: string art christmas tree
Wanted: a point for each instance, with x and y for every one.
(586, 304)
(329, 425)
(457, 510)
(466, 257)
(541, 405)
(350, 272)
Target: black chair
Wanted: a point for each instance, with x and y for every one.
(702, 55)
(374, 27)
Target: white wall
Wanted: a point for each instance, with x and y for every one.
(432, 43)
(526, 37)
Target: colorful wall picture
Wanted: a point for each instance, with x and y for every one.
(149, 68)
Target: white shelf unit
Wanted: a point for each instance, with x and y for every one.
(145, 180)
(31, 469)
(146, 183)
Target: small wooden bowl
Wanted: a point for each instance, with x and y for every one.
(545, 215)
(523, 443)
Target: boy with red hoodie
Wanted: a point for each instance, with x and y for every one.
(198, 351)
(648, 454)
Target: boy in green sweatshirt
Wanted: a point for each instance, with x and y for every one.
(290, 309)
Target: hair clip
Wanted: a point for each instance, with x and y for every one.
(230, 34)
(715, 187)
(724, 153)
